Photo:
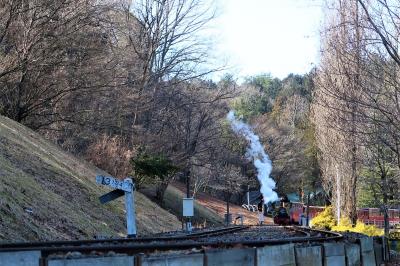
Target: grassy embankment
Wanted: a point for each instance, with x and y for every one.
(46, 193)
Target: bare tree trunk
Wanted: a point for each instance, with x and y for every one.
(357, 85)
(385, 201)
(160, 191)
(186, 176)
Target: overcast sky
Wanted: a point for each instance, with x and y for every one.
(268, 36)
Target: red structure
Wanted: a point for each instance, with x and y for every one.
(367, 215)
(375, 216)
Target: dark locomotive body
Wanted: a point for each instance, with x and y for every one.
(282, 217)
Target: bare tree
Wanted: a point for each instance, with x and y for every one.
(169, 41)
(382, 88)
(381, 177)
(357, 108)
(49, 49)
(228, 179)
(335, 109)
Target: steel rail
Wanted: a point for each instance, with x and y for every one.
(72, 243)
(172, 244)
(299, 230)
(333, 234)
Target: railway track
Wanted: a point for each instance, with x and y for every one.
(95, 242)
(226, 237)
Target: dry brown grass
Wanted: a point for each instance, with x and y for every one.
(203, 216)
(60, 190)
(112, 155)
(218, 206)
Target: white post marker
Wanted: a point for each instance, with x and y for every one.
(130, 210)
(188, 211)
(128, 188)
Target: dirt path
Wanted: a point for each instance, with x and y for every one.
(219, 206)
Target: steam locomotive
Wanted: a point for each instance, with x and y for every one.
(281, 215)
(295, 212)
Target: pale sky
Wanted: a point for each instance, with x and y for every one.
(268, 36)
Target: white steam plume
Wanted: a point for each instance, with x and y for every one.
(260, 158)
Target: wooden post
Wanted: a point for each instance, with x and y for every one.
(130, 211)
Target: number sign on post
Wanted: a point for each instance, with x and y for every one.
(122, 187)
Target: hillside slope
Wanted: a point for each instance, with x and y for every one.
(46, 193)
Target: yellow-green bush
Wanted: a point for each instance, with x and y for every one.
(369, 230)
(326, 220)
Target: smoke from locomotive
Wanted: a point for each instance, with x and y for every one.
(255, 151)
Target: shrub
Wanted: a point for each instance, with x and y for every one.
(324, 220)
(111, 154)
(346, 226)
(153, 169)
